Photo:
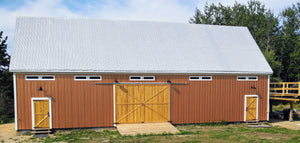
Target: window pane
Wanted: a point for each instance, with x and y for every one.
(95, 77)
(206, 77)
(135, 77)
(194, 77)
(241, 77)
(47, 77)
(148, 77)
(253, 77)
(32, 77)
(80, 77)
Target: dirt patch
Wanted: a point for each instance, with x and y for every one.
(295, 125)
(9, 134)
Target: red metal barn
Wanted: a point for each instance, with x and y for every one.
(73, 73)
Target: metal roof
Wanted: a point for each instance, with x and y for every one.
(104, 46)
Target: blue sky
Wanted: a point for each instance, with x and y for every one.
(149, 10)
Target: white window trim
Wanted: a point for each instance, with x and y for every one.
(50, 109)
(245, 106)
(142, 78)
(247, 78)
(87, 77)
(40, 77)
(200, 78)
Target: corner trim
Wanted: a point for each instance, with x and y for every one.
(268, 102)
(15, 100)
(114, 98)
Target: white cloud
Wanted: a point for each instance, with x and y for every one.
(150, 10)
(41, 8)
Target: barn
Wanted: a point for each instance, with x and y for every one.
(80, 73)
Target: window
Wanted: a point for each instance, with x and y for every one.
(142, 78)
(39, 77)
(204, 78)
(87, 77)
(247, 78)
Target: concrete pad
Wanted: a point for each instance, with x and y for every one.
(146, 128)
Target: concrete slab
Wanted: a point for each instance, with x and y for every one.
(146, 128)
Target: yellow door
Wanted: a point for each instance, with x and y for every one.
(142, 103)
(251, 108)
(41, 114)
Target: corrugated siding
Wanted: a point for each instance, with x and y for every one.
(221, 98)
(78, 104)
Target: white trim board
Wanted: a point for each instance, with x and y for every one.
(32, 109)
(268, 102)
(245, 102)
(114, 104)
(15, 101)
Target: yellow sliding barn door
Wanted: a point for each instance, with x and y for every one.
(251, 108)
(139, 103)
(41, 114)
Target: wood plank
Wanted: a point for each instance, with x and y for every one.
(251, 104)
(41, 108)
(284, 99)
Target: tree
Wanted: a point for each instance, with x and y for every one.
(289, 46)
(6, 84)
(262, 24)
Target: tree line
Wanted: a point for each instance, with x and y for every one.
(278, 36)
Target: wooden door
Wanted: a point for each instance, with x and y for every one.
(139, 103)
(251, 108)
(41, 114)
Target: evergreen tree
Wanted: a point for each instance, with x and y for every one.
(289, 46)
(6, 84)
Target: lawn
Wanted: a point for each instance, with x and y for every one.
(188, 133)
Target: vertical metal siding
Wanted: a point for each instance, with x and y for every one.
(78, 104)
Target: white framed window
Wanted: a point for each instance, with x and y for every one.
(87, 77)
(39, 77)
(247, 78)
(202, 78)
(142, 78)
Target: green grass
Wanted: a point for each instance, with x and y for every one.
(188, 134)
(283, 106)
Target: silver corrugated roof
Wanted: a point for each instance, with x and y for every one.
(103, 46)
